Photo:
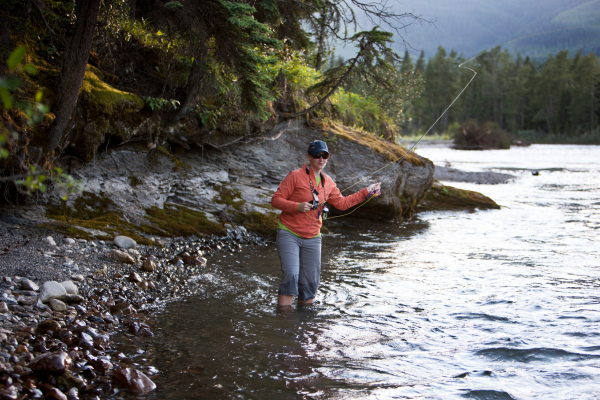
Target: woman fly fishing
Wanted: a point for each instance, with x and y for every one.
(301, 197)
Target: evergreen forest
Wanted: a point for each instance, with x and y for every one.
(555, 100)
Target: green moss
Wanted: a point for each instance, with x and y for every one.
(102, 94)
(68, 230)
(390, 151)
(92, 211)
(180, 221)
(134, 181)
(265, 224)
(179, 165)
(229, 196)
(441, 197)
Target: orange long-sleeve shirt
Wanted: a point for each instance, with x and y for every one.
(295, 189)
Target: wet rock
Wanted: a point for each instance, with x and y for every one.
(57, 305)
(49, 241)
(3, 307)
(21, 349)
(102, 365)
(119, 306)
(73, 298)
(40, 348)
(73, 394)
(148, 266)
(55, 394)
(70, 287)
(95, 319)
(52, 290)
(134, 277)
(51, 363)
(68, 381)
(194, 260)
(144, 285)
(125, 242)
(9, 392)
(134, 380)
(28, 284)
(121, 256)
(48, 325)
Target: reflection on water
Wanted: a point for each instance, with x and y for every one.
(487, 305)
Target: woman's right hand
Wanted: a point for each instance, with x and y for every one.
(304, 207)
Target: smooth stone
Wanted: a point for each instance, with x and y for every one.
(134, 380)
(73, 394)
(3, 307)
(73, 298)
(77, 278)
(55, 394)
(125, 242)
(148, 266)
(52, 290)
(120, 256)
(51, 363)
(57, 305)
(70, 287)
(49, 241)
(28, 284)
(69, 241)
(48, 325)
(135, 277)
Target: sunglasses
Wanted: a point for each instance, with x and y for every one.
(324, 156)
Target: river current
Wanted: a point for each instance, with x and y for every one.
(500, 304)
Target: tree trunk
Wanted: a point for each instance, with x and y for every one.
(4, 32)
(321, 41)
(73, 69)
(194, 84)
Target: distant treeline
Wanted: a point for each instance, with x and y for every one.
(559, 96)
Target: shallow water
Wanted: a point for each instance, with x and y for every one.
(488, 305)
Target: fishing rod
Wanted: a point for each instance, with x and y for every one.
(376, 193)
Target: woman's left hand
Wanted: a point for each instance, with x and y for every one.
(374, 188)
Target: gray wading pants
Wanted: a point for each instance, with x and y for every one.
(300, 264)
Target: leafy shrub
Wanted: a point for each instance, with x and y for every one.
(470, 135)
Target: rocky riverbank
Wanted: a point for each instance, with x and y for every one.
(64, 300)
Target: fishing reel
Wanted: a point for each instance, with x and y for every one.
(315, 202)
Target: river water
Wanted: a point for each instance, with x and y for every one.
(501, 304)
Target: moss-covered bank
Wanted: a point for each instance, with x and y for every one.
(441, 197)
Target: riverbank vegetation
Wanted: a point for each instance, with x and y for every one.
(190, 73)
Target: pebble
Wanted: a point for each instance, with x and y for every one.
(134, 380)
(49, 241)
(148, 266)
(3, 307)
(57, 305)
(125, 242)
(28, 284)
(51, 363)
(122, 257)
(70, 287)
(69, 241)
